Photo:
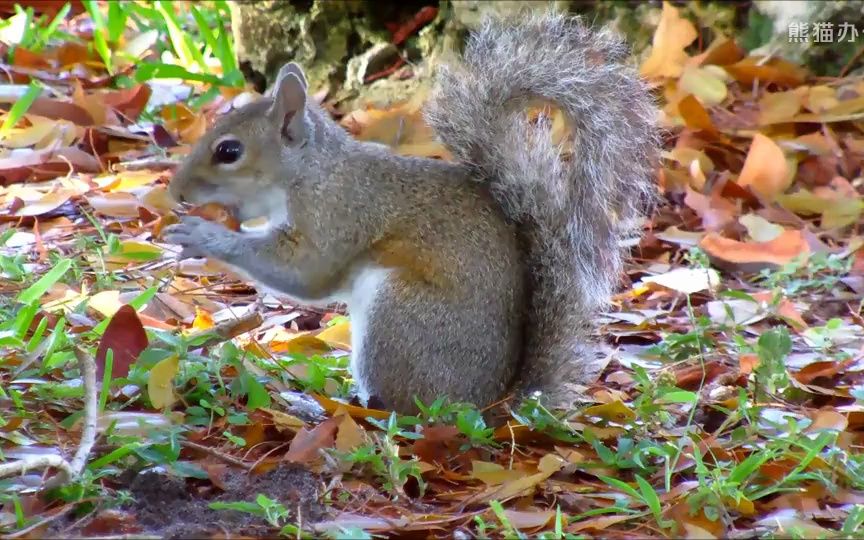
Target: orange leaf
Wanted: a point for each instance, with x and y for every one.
(694, 114)
(672, 36)
(754, 256)
(765, 169)
(775, 71)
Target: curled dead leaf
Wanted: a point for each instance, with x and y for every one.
(754, 256)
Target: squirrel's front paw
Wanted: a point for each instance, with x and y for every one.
(199, 237)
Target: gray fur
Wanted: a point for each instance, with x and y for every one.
(452, 314)
(573, 213)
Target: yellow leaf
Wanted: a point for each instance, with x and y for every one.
(349, 435)
(203, 320)
(493, 474)
(105, 302)
(759, 228)
(284, 421)
(39, 129)
(615, 411)
(133, 251)
(706, 83)
(305, 344)
(672, 36)
(331, 406)
(804, 202)
(777, 107)
(841, 213)
(337, 336)
(160, 384)
(549, 465)
(765, 169)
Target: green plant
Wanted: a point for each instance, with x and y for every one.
(820, 272)
(382, 457)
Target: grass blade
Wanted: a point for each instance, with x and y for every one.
(20, 107)
(35, 291)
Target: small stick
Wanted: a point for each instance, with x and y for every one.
(217, 454)
(69, 471)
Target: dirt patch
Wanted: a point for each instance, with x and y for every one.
(168, 506)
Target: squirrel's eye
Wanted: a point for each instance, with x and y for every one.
(228, 151)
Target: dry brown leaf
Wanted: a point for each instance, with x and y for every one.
(778, 107)
(306, 443)
(349, 434)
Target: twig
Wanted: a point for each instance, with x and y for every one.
(91, 410)
(217, 454)
(231, 328)
(68, 471)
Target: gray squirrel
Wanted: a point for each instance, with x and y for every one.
(476, 278)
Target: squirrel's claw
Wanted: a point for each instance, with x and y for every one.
(195, 235)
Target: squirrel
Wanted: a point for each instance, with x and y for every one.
(475, 278)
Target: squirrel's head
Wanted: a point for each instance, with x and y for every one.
(253, 155)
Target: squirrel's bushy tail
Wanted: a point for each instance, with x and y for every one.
(573, 206)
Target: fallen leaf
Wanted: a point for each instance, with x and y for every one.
(828, 419)
(759, 228)
(526, 520)
(695, 116)
(615, 411)
(203, 320)
(493, 474)
(306, 443)
(754, 256)
(160, 384)
(707, 84)
(777, 107)
(672, 36)
(686, 280)
(330, 406)
(337, 336)
(773, 70)
(349, 434)
(126, 338)
(48, 202)
(123, 205)
(765, 169)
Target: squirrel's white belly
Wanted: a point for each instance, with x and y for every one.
(361, 300)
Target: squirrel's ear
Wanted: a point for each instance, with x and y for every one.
(290, 67)
(289, 102)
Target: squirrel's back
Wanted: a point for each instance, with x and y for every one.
(572, 204)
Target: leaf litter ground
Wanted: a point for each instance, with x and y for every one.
(732, 405)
